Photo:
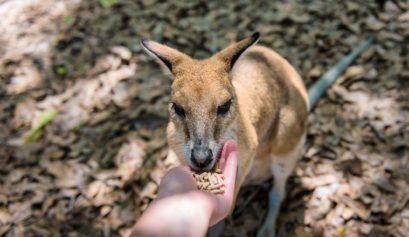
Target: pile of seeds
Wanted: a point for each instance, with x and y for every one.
(212, 182)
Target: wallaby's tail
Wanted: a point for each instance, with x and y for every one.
(318, 88)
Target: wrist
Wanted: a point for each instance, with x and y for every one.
(178, 215)
(197, 210)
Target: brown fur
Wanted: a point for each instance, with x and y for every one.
(268, 115)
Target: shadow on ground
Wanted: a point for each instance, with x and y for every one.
(95, 167)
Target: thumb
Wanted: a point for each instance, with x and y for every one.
(228, 165)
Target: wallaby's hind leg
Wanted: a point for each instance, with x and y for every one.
(282, 167)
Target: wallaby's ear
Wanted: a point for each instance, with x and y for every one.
(230, 54)
(167, 55)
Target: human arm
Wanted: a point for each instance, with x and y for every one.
(182, 210)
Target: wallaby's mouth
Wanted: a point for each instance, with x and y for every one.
(209, 164)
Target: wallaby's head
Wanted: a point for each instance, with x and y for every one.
(203, 104)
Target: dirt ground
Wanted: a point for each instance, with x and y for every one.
(83, 112)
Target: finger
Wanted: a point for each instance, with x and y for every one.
(228, 146)
(228, 165)
(177, 180)
(229, 172)
(224, 203)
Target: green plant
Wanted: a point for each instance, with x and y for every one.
(33, 134)
(107, 3)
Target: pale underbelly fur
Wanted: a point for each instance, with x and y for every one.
(262, 168)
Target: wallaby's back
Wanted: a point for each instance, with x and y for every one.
(265, 84)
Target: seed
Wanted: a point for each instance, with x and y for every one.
(217, 191)
(212, 182)
(214, 186)
(205, 186)
(212, 179)
(219, 179)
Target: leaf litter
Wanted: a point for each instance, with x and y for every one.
(99, 161)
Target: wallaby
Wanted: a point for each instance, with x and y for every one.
(246, 93)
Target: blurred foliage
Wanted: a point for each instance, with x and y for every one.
(108, 3)
(34, 134)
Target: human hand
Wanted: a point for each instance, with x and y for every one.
(180, 209)
(179, 180)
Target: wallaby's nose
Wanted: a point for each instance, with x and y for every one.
(201, 157)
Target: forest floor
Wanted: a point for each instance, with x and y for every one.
(83, 112)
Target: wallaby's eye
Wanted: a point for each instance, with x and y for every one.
(224, 108)
(179, 110)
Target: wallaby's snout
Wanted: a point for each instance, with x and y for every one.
(201, 156)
